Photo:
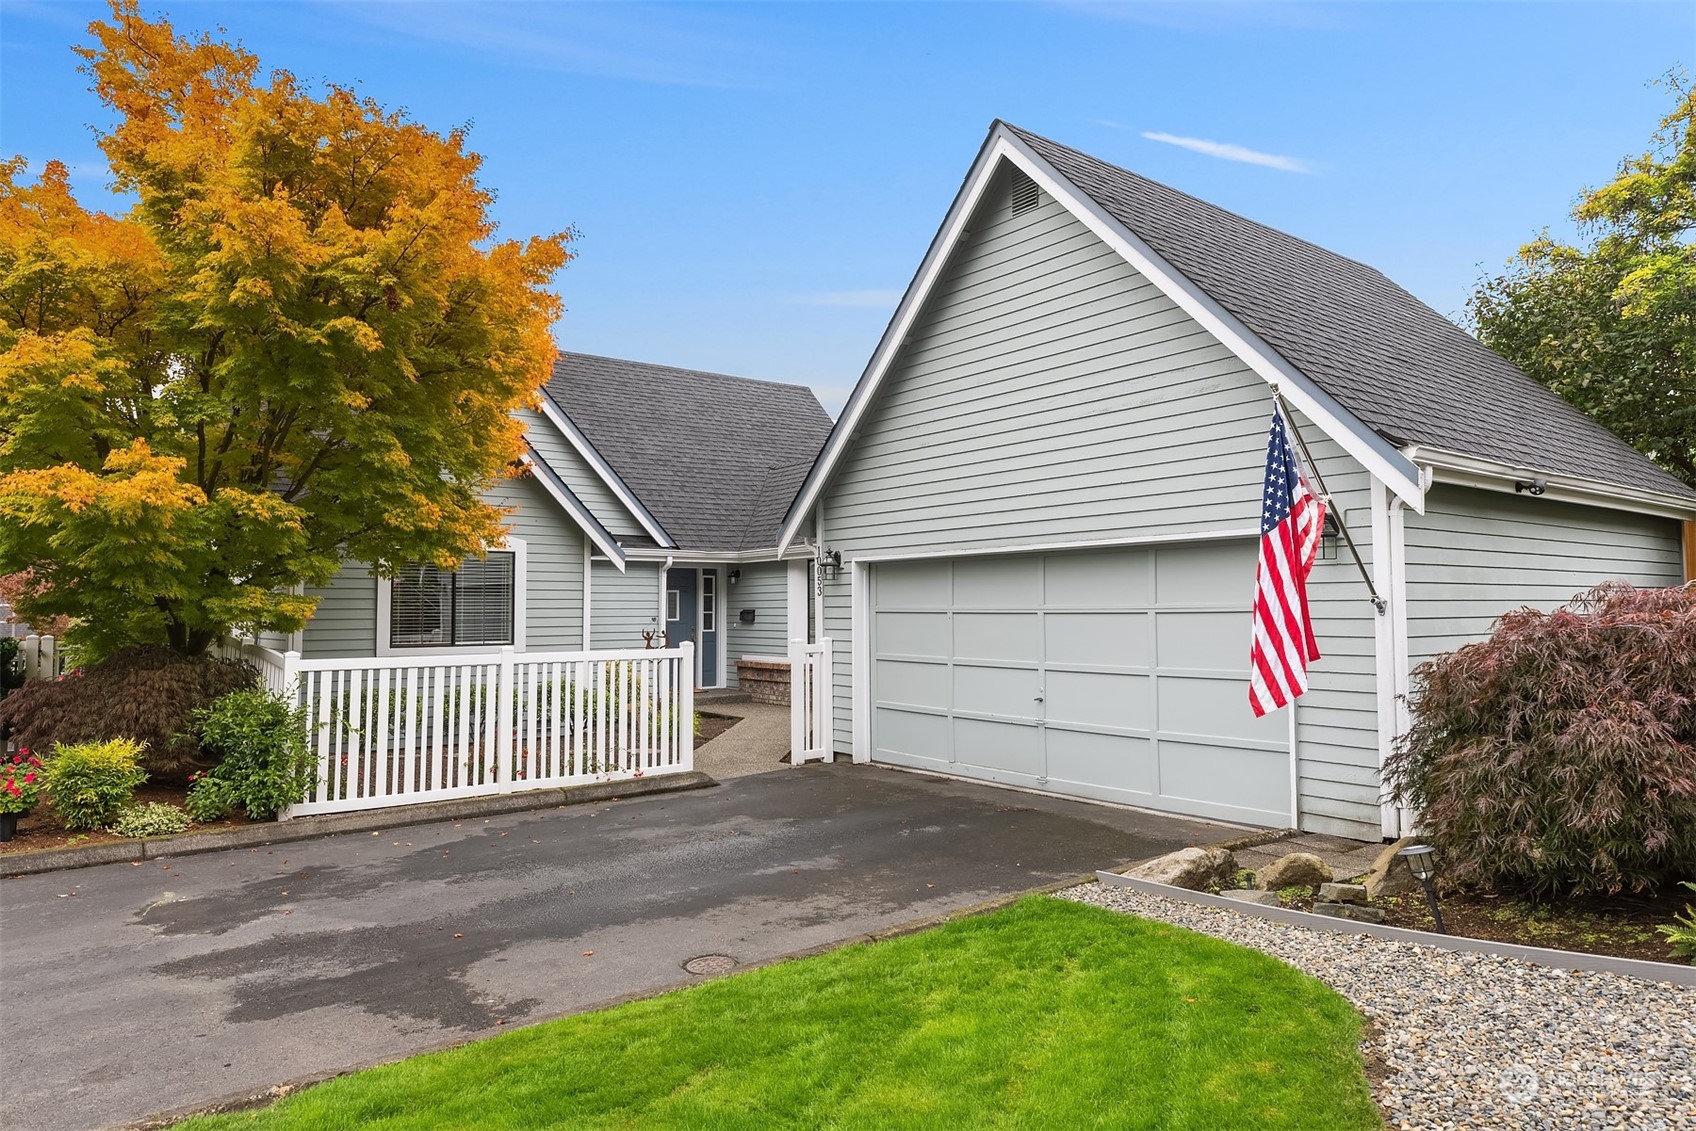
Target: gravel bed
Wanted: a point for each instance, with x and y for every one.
(1475, 1041)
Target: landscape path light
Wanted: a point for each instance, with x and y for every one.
(1422, 862)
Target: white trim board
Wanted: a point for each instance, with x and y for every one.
(1376, 454)
(597, 463)
(1050, 547)
(573, 506)
(1488, 475)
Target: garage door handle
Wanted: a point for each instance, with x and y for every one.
(1038, 699)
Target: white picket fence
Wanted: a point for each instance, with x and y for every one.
(404, 730)
(810, 691)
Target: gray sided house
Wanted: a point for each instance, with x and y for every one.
(1038, 514)
(648, 513)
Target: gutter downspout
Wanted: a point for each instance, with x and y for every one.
(660, 618)
(588, 603)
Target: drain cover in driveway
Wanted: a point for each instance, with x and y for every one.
(711, 964)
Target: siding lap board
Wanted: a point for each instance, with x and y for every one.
(1476, 554)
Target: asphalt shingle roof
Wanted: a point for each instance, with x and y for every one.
(716, 459)
(1395, 363)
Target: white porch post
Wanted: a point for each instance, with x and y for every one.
(686, 695)
(504, 687)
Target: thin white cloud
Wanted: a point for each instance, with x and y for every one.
(883, 299)
(1225, 151)
(685, 46)
(1217, 16)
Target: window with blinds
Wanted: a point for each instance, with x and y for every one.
(471, 605)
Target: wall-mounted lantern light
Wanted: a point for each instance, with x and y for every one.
(1328, 537)
(735, 576)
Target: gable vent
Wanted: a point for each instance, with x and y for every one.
(1025, 194)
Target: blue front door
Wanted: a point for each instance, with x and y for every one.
(709, 628)
(692, 613)
(682, 608)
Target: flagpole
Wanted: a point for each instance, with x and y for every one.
(1325, 492)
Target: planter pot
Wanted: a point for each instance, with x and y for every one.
(8, 825)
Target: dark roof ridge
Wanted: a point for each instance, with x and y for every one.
(684, 370)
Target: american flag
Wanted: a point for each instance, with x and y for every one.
(1292, 520)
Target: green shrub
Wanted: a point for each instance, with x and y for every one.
(89, 783)
(1681, 932)
(208, 798)
(152, 819)
(145, 693)
(11, 665)
(1559, 756)
(264, 762)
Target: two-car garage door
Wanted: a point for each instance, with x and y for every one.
(1118, 675)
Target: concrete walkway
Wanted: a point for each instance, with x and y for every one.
(756, 745)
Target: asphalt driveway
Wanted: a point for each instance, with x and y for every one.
(127, 990)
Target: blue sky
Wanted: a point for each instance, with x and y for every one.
(755, 184)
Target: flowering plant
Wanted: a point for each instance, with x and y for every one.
(20, 782)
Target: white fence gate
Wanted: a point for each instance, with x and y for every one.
(810, 724)
(404, 730)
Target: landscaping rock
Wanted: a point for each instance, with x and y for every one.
(1476, 1040)
(1268, 898)
(1194, 868)
(1358, 912)
(1389, 875)
(1342, 893)
(1298, 869)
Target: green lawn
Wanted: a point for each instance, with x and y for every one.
(1044, 1014)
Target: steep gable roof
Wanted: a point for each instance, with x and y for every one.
(1377, 370)
(1392, 361)
(706, 453)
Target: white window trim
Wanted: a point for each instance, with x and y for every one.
(519, 549)
(673, 605)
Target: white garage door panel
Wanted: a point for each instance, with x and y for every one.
(1006, 752)
(1098, 699)
(912, 738)
(1107, 767)
(1105, 639)
(914, 682)
(914, 634)
(1117, 675)
(996, 691)
(1218, 781)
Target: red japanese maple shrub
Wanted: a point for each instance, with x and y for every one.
(145, 692)
(1559, 756)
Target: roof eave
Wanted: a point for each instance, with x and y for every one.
(574, 436)
(574, 507)
(1464, 470)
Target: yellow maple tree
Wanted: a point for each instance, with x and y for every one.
(303, 344)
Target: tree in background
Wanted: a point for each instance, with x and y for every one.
(302, 344)
(1612, 326)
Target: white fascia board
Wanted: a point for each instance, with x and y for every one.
(597, 463)
(894, 335)
(573, 506)
(1380, 457)
(1489, 475)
